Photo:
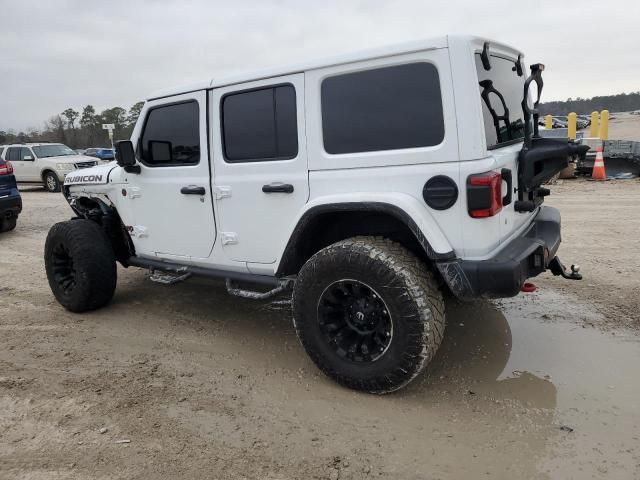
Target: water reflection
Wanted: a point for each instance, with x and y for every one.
(473, 356)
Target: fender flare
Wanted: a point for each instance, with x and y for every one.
(361, 206)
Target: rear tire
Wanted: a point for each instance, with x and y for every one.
(8, 224)
(51, 182)
(80, 265)
(369, 313)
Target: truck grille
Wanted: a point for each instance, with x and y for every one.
(86, 164)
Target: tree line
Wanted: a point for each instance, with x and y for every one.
(622, 102)
(79, 129)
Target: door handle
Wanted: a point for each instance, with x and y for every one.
(278, 188)
(193, 190)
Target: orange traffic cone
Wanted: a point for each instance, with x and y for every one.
(599, 172)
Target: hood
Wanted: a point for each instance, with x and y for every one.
(72, 159)
(90, 176)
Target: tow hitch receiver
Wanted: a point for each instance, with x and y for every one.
(557, 268)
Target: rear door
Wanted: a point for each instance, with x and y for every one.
(260, 165)
(504, 129)
(29, 165)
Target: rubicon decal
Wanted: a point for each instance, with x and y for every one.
(83, 179)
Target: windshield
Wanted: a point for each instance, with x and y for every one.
(44, 151)
(503, 126)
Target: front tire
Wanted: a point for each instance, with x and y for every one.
(51, 182)
(80, 265)
(369, 313)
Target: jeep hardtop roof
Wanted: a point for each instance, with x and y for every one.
(397, 49)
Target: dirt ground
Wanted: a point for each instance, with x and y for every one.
(201, 385)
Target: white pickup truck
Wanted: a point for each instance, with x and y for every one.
(45, 163)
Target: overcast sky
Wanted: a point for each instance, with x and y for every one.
(69, 53)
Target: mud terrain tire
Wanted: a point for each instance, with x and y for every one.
(368, 269)
(80, 265)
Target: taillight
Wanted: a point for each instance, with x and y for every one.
(484, 194)
(6, 168)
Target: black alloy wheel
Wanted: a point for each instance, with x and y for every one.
(355, 321)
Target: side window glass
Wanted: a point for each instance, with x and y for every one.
(384, 108)
(13, 154)
(171, 135)
(26, 155)
(260, 125)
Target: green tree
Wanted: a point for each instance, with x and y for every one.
(70, 114)
(134, 113)
(90, 124)
(88, 116)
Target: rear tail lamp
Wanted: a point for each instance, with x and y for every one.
(6, 168)
(484, 194)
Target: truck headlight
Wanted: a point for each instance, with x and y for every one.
(65, 167)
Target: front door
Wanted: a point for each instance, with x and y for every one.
(171, 197)
(29, 165)
(260, 164)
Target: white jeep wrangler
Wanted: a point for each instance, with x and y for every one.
(370, 185)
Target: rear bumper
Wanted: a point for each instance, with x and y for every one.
(10, 206)
(503, 275)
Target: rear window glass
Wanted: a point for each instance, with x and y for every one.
(506, 81)
(382, 109)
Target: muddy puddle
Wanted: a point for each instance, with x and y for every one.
(543, 352)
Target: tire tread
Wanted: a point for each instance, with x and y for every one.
(420, 289)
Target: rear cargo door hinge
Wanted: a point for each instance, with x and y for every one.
(229, 238)
(222, 191)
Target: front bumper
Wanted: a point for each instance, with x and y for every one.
(504, 274)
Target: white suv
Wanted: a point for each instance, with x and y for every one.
(370, 185)
(46, 163)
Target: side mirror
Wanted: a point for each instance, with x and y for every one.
(125, 153)
(126, 156)
(28, 158)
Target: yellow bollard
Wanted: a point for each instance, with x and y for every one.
(573, 123)
(595, 124)
(548, 123)
(604, 125)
